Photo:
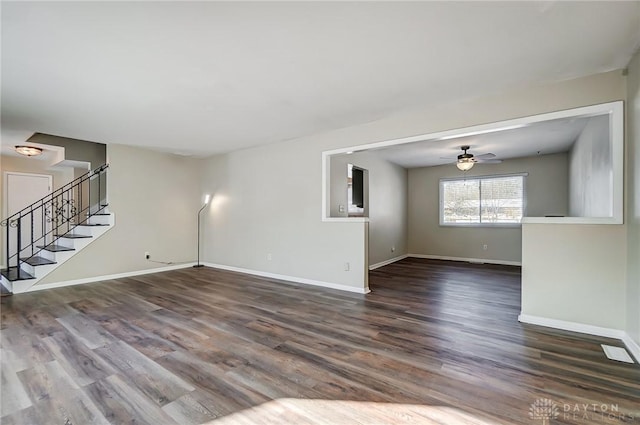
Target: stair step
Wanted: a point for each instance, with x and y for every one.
(12, 274)
(37, 261)
(73, 236)
(92, 224)
(98, 214)
(56, 248)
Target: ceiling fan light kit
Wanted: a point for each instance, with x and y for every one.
(465, 164)
(466, 161)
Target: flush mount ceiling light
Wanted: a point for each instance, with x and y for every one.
(28, 150)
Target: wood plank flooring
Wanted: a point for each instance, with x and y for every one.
(434, 343)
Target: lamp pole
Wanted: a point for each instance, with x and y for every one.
(206, 202)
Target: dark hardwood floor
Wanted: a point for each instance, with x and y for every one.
(434, 343)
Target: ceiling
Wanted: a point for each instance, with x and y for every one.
(199, 78)
(50, 154)
(541, 138)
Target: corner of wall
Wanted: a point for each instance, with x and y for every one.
(632, 217)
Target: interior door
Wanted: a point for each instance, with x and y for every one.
(23, 190)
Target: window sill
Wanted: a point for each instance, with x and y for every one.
(571, 220)
(486, 225)
(346, 219)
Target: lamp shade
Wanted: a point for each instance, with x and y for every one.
(465, 164)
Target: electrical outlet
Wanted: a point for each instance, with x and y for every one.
(269, 257)
(147, 255)
(484, 247)
(393, 248)
(341, 208)
(347, 267)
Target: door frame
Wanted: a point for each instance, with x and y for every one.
(5, 203)
(5, 193)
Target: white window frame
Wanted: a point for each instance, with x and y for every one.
(485, 177)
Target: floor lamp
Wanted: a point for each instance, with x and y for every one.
(206, 202)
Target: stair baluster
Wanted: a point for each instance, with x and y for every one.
(58, 214)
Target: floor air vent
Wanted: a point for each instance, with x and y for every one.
(617, 353)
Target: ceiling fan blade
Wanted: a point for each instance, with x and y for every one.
(486, 156)
(449, 157)
(489, 161)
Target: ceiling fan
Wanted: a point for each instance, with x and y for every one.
(466, 161)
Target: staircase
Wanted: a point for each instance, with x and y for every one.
(44, 235)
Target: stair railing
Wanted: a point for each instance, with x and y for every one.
(42, 223)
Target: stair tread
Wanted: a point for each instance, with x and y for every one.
(12, 274)
(92, 224)
(99, 214)
(56, 248)
(38, 261)
(73, 236)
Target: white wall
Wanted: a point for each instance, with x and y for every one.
(338, 185)
(633, 200)
(272, 194)
(591, 171)
(574, 275)
(572, 278)
(155, 197)
(266, 204)
(546, 191)
(60, 177)
(269, 198)
(387, 206)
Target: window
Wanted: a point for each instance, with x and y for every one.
(493, 200)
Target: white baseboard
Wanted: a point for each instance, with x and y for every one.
(572, 326)
(468, 260)
(632, 346)
(39, 287)
(385, 262)
(303, 280)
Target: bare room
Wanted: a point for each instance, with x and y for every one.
(320, 212)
